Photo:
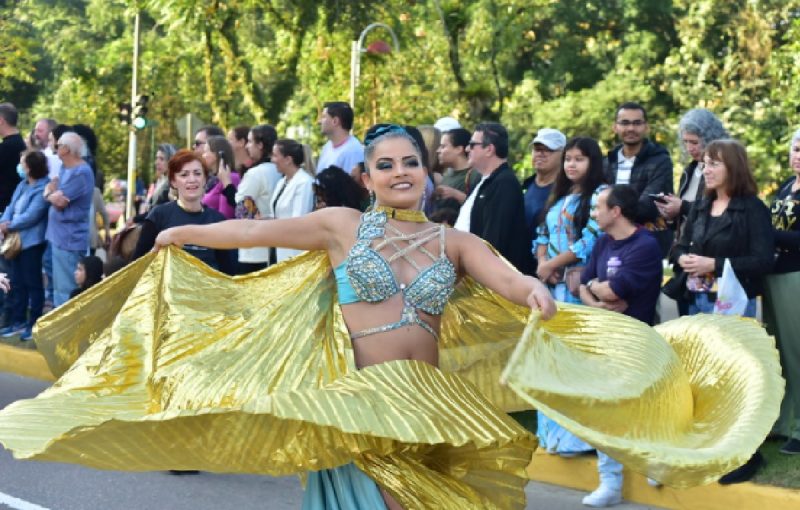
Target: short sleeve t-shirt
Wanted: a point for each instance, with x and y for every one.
(345, 156)
(172, 215)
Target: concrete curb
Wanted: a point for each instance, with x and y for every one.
(581, 473)
(25, 362)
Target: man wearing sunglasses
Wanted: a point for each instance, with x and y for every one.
(201, 137)
(644, 165)
(494, 210)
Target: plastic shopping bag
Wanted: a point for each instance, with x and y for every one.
(731, 297)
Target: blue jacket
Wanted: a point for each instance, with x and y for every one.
(27, 212)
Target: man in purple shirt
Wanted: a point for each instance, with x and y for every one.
(623, 275)
(68, 221)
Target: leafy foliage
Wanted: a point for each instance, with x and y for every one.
(528, 63)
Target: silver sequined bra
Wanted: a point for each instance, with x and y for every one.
(371, 278)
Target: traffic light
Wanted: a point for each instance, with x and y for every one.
(140, 112)
(124, 113)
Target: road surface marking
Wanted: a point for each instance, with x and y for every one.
(18, 504)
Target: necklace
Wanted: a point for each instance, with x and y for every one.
(403, 214)
(187, 209)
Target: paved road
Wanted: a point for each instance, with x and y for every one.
(50, 486)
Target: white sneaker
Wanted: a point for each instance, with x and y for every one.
(653, 483)
(603, 497)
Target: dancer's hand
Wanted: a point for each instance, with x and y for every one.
(166, 238)
(541, 299)
(4, 283)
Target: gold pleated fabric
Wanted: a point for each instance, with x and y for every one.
(185, 368)
(683, 402)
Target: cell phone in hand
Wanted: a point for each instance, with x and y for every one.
(658, 197)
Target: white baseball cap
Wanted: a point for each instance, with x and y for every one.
(446, 124)
(553, 139)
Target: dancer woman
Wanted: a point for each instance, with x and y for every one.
(424, 258)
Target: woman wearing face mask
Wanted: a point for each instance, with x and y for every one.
(27, 215)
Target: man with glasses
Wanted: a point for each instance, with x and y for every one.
(201, 137)
(494, 210)
(547, 149)
(644, 165)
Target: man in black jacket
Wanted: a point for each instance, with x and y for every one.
(644, 165)
(495, 211)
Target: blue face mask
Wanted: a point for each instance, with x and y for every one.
(21, 171)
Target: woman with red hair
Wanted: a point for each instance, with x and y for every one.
(187, 174)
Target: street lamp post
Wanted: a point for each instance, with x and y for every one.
(357, 49)
(129, 212)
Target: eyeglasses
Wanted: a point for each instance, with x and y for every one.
(634, 123)
(472, 145)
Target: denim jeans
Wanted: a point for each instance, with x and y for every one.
(64, 264)
(27, 288)
(701, 304)
(610, 472)
(47, 266)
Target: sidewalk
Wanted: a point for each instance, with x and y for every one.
(24, 361)
(581, 473)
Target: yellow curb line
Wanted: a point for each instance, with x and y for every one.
(25, 362)
(581, 473)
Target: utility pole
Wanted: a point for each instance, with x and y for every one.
(129, 212)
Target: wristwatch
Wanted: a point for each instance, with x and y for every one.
(589, 284)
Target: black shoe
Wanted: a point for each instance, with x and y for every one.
(791, 447)
(744, 472)
(177, 472)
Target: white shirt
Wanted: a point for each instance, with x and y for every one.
(345, 156)
(691, 189)
(296, 199)
(53, 163)
(258, 184)
(624, 166)
(465, 213)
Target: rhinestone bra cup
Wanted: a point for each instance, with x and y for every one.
(373, 280)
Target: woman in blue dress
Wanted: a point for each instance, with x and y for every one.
(564, 242)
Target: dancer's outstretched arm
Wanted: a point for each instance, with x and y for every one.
(315, 231)
(478, 261)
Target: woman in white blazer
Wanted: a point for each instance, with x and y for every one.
(294, 195)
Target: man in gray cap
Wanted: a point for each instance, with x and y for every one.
(546, 152)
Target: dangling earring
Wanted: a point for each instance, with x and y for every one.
(371, 200)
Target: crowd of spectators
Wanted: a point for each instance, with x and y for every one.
(594, 227)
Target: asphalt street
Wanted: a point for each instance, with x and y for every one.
(26, 485)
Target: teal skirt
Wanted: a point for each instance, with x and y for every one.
(342, 488)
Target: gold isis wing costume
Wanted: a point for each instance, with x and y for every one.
(169, 364)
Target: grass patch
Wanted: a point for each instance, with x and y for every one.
(780, 470)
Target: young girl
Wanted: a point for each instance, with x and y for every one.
(88, 272)
(564, 243)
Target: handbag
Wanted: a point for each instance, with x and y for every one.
(12, 246)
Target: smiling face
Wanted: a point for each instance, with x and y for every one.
(631, 126)
(715, 172)
(576, 165)
(396, 174)
(254, 149)
(190, 182)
